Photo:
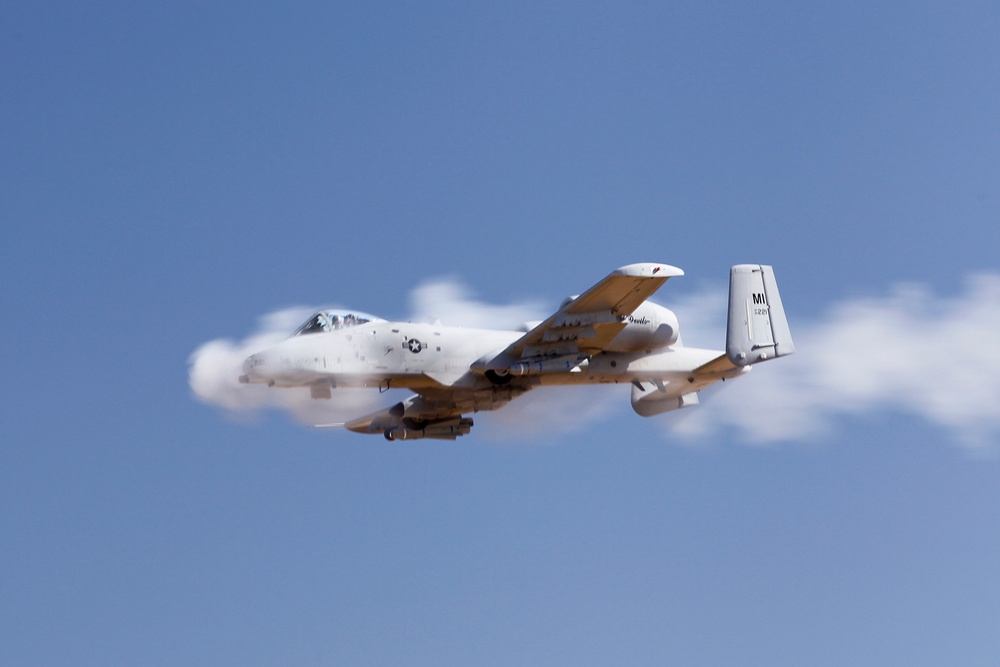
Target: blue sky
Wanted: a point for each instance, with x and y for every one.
(172, 174)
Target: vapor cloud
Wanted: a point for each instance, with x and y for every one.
(215, 367)
(450, 301)
(908, 353)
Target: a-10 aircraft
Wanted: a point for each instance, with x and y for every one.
(608, 334)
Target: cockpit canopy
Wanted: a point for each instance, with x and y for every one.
(333, 320)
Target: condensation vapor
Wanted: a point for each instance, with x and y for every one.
(908, 353)
(215, 368)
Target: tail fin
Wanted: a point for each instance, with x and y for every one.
(757, 328)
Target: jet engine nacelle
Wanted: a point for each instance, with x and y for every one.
(650, 326)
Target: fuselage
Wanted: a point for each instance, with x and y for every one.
(420, 356)
(372, 354)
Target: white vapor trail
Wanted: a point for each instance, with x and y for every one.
(454, 304)
(907, 353)
(215, 367)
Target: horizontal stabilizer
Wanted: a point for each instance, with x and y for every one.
(757, 329)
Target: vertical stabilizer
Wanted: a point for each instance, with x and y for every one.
(757, 329)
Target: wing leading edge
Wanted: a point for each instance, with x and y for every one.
(587, 324)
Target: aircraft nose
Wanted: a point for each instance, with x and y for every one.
(249, 363)
(254, 367)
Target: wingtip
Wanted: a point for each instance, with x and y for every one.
(649, 270)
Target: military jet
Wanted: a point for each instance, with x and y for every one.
(608, 334)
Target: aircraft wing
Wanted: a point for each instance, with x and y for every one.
(588, 323)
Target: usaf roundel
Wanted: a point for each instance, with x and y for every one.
(415, 345)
